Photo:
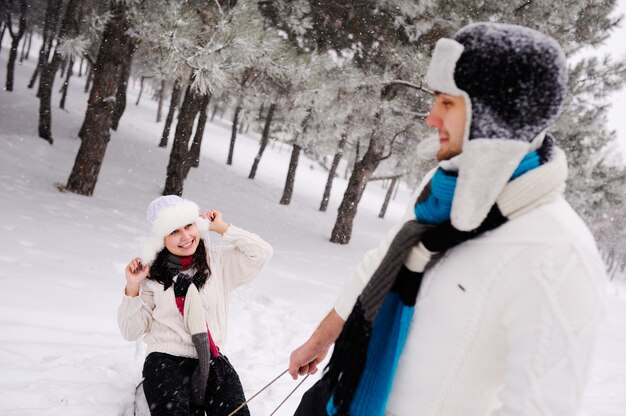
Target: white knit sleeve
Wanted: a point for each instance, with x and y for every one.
(366, 268)
(243, 257)
(134, 315)
(550, 313)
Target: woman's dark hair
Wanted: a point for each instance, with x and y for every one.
(162, 273)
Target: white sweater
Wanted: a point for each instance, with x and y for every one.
(504, 323)
(154, 312)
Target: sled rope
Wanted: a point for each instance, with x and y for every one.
(265, 387)
(289, 395)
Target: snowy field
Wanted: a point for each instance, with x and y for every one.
(62, 257)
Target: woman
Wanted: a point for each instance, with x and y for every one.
(176, 296)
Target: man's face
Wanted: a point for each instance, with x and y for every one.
(448, 116)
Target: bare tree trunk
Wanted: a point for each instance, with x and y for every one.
(97, 125)
(33, 78)
(30, 41)
(264, 139)
(80, 67)
(233, 134)
(69, 29)
(4, 28)
(179, 156)
(383, 209)
(63, 67)
(89, 77)
(215, 108)
(176, 89)
(15, 40)
(140, 90)
(66, 83)
(291, 175)
(293, 161)
(194, 150)
(357, 150)
(260, 117)
(29, 33)
(242, 123)
(53, 11)
(363, 170)
(160, 98)
(331, 173)
(120, 95)
(45, 96)
(247, 74)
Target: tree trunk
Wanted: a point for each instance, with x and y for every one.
(331, 173)
(293, 162)
(242, 123)
(264, 139)
(160, 98)
(233, 134)
(69, 29)
(33, 78)
(4, 28)
(179, 156)
(46, 82)
(215, 108)
(30, 41)
(15, 40)
(97, 125)
(80, 67)
(122, 86)
(291, 175)
(62, 68)
(66, 83)
(260, 117)
(140, 90)
(363, 170)
(383, 209)
(89, 77)
(170, 114)
(24, 43)
(194, 150)
(53, 11)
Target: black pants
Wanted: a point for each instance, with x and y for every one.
(167, 385)
(312, 402)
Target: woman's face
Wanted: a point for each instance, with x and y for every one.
(183, 241)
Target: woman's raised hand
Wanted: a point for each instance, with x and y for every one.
(136, 273)
(217, 222)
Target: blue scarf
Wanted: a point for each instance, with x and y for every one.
(361, 389)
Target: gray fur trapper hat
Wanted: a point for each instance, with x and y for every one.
(166, 214)
(514, 82)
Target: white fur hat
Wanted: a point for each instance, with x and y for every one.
(166, 214)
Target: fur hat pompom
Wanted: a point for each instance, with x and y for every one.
(166, 214)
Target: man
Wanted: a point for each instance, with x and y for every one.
(486, 298)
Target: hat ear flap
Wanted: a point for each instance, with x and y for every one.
(485, 167)
(203, 225)
(151, 249)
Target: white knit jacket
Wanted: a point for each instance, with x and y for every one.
(155, 315)
(504, 323)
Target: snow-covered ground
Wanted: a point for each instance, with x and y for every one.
(62, 257)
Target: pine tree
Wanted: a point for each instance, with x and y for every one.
(96, 130)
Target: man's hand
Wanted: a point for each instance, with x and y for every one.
(305, 359)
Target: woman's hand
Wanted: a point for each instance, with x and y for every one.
(217, 223)
(136, 273)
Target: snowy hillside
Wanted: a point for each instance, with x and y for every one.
(62, 257)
